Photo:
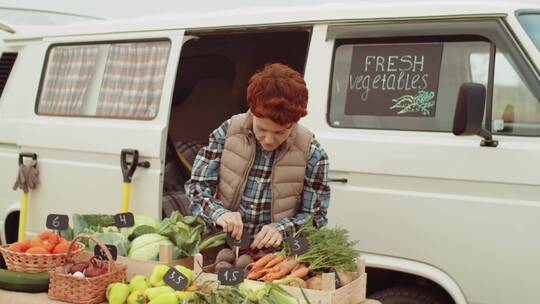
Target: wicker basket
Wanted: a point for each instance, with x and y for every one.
(67, 288)
(26, 262)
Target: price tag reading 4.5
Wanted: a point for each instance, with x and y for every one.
(298, 245)
(123, 220)
(243, 242)
(231, 276)
(57, 222)
(175, 279)
(100, 254)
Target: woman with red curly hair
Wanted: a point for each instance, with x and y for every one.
(262, 172)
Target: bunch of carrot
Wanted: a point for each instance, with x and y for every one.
(275, 266)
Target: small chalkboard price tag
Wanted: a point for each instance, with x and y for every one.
(298, 245)
(100, 254)
(123, 220)
(57, 222)
(243, 242)
(175, 279)
(231, 276)
(336, 276)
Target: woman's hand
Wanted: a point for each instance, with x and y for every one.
(269, 236)
(231, 222)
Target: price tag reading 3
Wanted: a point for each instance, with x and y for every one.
(243, 242)
(57, 222)
(100, 254)
(123, 220)
(298, 245)
(231, 276)
(175, 279)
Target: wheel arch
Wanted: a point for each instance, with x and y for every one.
(418, 269)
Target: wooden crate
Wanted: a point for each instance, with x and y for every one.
(140, 267)
(352, 293)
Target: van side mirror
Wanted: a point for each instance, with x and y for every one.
(470, 113)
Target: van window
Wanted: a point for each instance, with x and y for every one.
(119, 80)
(531, 24)
(515, 109)
(399, 86)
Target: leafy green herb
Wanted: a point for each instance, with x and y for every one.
(328, 248)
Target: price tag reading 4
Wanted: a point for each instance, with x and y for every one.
(123, 220)
(231, 276)
(298, 245)
(100, 254)
(243, 242)
(57, 222)
(175, 279)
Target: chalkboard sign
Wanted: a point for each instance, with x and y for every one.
(57, 222)
(337, 279)
(175, 279)
(231, 276)
(123, 220)
(100, 254)
(400, 79)
(298, 245)
(243, 242)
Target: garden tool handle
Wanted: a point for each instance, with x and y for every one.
(26, 154)
(24, 200)
(128, 168)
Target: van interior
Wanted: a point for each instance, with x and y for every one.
(211, 84)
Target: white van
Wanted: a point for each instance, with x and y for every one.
(439, 218)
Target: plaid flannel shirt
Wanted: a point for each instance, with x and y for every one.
(257, 197)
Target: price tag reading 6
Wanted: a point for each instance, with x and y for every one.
(57, 222)
(231, 276)
(175, 279)
(298, 245)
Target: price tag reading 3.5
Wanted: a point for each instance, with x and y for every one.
(231, 276)
(298, 245)
(123, 220)
(175, 279)
(57, 222)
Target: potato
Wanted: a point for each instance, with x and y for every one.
(314, 282)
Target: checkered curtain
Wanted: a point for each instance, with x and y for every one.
(69, 71)
(133, 80)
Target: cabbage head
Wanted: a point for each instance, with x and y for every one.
(146, 246)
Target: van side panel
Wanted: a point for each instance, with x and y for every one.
(79, 157)
(434, 198)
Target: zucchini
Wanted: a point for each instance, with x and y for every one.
(22, 281)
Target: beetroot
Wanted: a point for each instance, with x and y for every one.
(96, 267)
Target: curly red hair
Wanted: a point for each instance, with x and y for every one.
(278, 93)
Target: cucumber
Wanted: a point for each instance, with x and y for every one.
(22, 281)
